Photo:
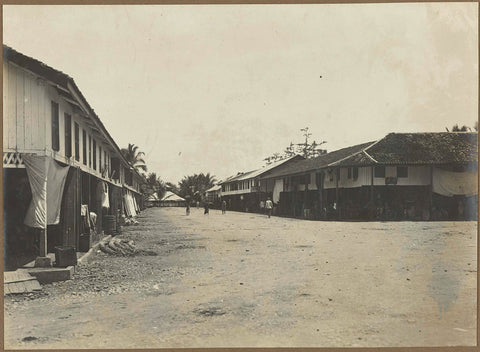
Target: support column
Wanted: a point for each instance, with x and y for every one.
(43, 242)
(43, 260)
(322, 193)
(305, 195)
(430, 194)
(294, 196)
(373, 210)
(337, 176)
(371, 183)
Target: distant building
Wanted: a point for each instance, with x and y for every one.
(403, 176)
(152, 200)
(245, 191)
(213, 194)
(60, 163)
(172, 200)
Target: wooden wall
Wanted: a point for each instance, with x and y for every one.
(27, 123)
(24, 111)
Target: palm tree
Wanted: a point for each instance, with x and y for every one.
(154, 184)
(134, 157)
(151, 180)
(195, 186)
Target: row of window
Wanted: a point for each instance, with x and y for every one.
(92, 144)
(379, 172)
(402, 172)
(238, 186)
(352, 173)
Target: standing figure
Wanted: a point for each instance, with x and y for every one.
(269, 206)
(188, 209)
(205, 206)
(224, 207)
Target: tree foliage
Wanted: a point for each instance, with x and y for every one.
(464, 128)
(153, 184)
(172, 187)
(193, 187)
(307, 149)
(134, 157)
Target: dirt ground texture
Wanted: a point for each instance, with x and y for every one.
(243, 280)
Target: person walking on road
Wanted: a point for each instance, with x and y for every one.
(187, 210)
(224, 207)
(205, 206)
(269, 207)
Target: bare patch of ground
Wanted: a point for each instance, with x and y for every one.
(243, 280)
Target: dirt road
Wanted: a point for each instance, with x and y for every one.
(240, 280)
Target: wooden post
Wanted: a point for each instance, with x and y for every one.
(42, 260)
(89, 192)
(44, 231)
(294, 195)
(337, 176)
(371, 183)
(307, 182)
(43, 243)
(430, 194)
(322, 193)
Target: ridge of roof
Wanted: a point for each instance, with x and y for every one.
(419, 148)
(254, 173)
(322, 161)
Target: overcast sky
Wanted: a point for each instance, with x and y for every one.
(218, 88)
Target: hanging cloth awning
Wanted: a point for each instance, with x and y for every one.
(449, 183)
(105, 199)
(135, 204)
(47, 181)
(126, 205)
(129, 203)
(277, 189)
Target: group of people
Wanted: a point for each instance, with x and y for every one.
(205, 207)
(268, 207)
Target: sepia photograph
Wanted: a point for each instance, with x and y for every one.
(240, 175)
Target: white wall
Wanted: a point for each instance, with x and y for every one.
(417, 176)
(27, 122)
(364, 178)
(24, 110)
(242, 191)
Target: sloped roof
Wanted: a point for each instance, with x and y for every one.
(305, 165)
(240, 175)
(153, 197)
(214, 188)
(170, 196)
(418, 148)
(270, 167)
(263, 170)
